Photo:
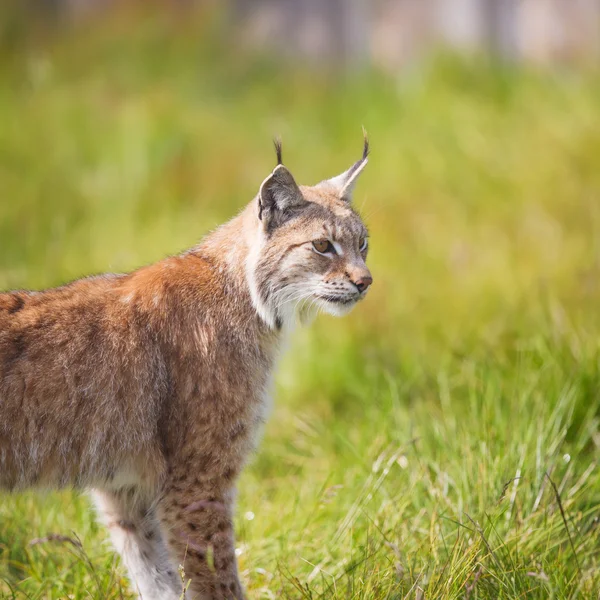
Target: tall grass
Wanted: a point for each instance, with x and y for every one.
(440, 442)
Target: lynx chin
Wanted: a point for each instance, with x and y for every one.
(150, 388)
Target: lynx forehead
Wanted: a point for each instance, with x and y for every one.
(149, 388)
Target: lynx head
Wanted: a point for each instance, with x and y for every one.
(310, 247)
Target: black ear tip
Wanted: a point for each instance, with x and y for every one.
(277, 144)
(366, 144)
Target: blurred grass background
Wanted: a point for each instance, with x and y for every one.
(440, 442)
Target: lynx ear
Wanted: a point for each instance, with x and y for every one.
(344, 183)
(278, 196)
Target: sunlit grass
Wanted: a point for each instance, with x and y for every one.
(414, 445)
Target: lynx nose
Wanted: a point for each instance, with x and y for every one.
(363, 283)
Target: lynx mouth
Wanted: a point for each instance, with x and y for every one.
(338, 299)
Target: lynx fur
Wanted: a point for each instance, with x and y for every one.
(149, 388)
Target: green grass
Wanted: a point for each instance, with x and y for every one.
(440, 442)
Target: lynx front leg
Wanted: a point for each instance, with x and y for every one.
(136, 536)
(197, 518)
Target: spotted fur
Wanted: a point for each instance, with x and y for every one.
(150, 387)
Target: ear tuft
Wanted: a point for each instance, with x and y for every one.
(366, 144)
(277, 144)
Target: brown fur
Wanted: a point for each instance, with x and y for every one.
(150, 387)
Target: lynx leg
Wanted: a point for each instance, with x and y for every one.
(136, 535)
(197, 517)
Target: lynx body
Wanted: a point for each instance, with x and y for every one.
(150, 388)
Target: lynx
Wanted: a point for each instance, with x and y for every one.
(149, 388)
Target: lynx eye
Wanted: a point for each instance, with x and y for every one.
(324, 247)
(363, 244)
